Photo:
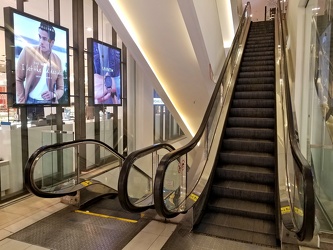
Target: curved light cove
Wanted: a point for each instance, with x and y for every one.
(136, 38)
(228, 31)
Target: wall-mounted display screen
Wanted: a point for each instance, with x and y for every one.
(105, 74)
(38, 52)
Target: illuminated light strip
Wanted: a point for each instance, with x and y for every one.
(106, 216)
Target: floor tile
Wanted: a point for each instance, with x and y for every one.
(155, 227)
(142, 241)
(14, 244)
(158, 243)
(6, 217)
(4, 234)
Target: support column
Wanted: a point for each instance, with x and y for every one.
(124, 99)
(115, 108)
(23, 113)
(79, 87)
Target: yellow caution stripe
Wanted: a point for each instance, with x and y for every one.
(86, 183)
(285, 210)
(193, 197)
(106, 216)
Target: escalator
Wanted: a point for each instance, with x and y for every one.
(251, 182)
(241, 202)
(82, 171)
(84, 174)
(88, 173)
(241, 177)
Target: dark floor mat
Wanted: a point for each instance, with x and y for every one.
(70, 230)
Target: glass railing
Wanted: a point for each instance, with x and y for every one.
(136, 179)
(319, 136)
(296, 190)
(183, 174)
(64, 168)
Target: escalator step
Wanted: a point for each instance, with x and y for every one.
(250, 103)
(255, 134)
(246, 208)
(252, 112)
(249, 145)
(254, 94)
(247, 158)
(246, 191)
(245, 173)
(241, 233)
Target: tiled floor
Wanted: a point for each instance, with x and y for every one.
(22, 214)
(32, 209)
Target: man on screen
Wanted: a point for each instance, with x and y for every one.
(39, 75)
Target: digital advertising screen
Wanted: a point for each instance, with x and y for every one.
(104, 65)
(38, 52)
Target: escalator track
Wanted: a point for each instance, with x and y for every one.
(241, 203)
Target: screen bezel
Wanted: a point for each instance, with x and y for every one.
(91, 72)
(10, 45)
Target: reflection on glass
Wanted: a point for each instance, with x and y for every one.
(320, 110)
(76, 166)
(165, 126)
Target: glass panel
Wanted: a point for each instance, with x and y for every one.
(42, 9)
(52, 172)
(172, 185)
(63, 169)
(322, 159)
(2, 5)
(157, 123)
(58, 165)
(139, 186)
(320, 109)
(165, 126)
(65, 12)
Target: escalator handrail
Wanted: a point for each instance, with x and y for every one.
(307, 229)
(125, 171)
(31, 163)
(176, 154)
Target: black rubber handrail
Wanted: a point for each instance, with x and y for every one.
(125, 170)
(170, 157)
(307, 229)
(29, 167)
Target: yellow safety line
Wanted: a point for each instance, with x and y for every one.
(106, 216)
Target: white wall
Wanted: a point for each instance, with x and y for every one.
(292, 19)
(237, 11)
(209, 21)
(144, 110)
(299, 30)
